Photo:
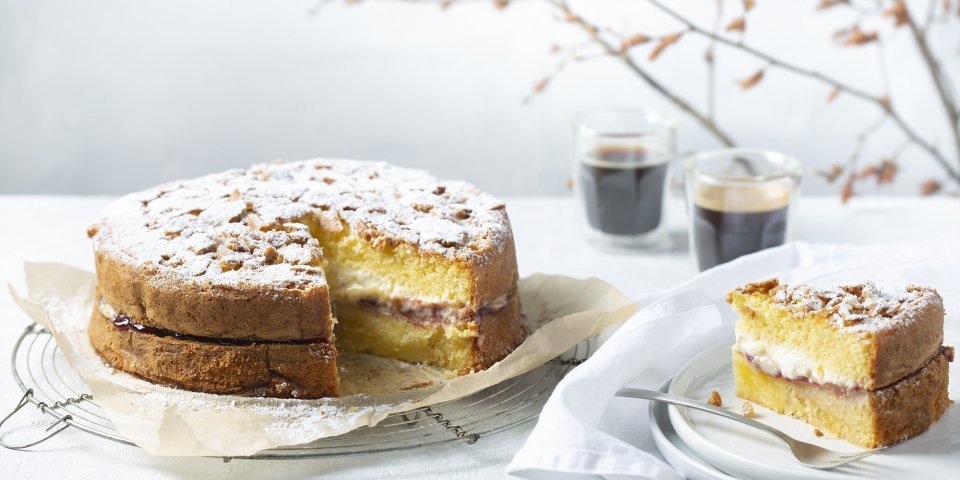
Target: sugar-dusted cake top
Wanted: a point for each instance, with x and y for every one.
(246, 225)
(861, 306)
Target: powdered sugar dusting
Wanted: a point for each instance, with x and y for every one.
(247, 226)
(859, 306)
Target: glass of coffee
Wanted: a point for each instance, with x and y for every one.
(621, 174)
(739, 202)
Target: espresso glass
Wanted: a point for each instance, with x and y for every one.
(739, 202)
(621, 174)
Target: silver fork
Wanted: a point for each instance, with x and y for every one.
(806, 453)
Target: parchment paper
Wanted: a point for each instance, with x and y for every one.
(560, 312)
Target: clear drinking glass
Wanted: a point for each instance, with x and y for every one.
(739, 202)
(621, 174)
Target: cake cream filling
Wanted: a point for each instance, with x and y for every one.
(415, 309)
(107, 311)
(789, 363)
(432, 312)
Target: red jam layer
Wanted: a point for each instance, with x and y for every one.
(124, 323)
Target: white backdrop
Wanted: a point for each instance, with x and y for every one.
(109, 96)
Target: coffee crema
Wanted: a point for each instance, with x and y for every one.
(622, 188)
(730, 222)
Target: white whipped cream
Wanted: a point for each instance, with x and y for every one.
(106, 310)
(789, 363)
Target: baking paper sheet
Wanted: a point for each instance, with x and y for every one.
(560, 312)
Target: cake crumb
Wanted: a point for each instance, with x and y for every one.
(818, 432)
(715, 399)
(747, 410)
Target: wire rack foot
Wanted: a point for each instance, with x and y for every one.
(55, 428)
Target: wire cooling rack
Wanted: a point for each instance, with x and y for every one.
(48, 382)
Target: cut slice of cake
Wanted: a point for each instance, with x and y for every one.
(864, 363)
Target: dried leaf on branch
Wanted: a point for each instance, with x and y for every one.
(825, 4)
(833, 95)
(738, 24)
(752, 80)
(632, 41)
(847, 191)
(541, 85)
(857, 37)
(830, 176)
(899, 13)
(664, 43)
(888, 171)
(868, 171)
(930, 187)
(885, 102)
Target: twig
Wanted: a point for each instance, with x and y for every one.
(862, 138)
(624, 57)
(931, 11)
(881, 101)
(711, 64)
(939, 81)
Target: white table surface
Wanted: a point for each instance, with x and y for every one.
(52, 228)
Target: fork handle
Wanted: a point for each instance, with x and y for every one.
(706, 407)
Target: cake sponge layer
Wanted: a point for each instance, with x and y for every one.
(285, 370)
(357, 269)
(866, 418)
(463, 346)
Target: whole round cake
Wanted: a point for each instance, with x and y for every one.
(248, 281)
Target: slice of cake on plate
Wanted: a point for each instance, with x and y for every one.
(864, 363)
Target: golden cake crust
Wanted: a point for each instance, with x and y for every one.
(259, 369)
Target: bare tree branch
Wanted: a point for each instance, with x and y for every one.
(881, 101)
(624, 57)
(939, 80)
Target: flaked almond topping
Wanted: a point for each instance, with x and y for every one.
(853, 320)
(859, 306)
(759, 287)
(270, 254)
(422, 207)
(747, 410)
(229, 264)
(715, 399)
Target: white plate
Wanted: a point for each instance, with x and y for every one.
(749, 453)
(677, 454)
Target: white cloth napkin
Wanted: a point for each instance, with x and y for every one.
(570, 441)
